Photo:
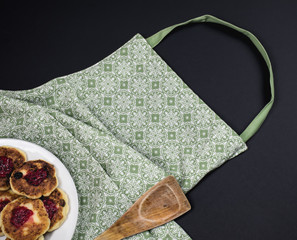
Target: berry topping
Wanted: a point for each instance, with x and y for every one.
(50, 207)
(62, 203)
(20, 215)
(3, 204)
(6, 166)
(36, 177)
(18, 175)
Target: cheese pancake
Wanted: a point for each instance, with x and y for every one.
(10, 158)
(57, 207)
(34, 179)
(24, 219)
(5, 198)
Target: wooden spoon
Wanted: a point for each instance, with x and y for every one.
(160, 204)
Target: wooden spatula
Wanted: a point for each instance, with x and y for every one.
(160, 204)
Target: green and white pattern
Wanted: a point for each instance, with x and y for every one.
(120, 126)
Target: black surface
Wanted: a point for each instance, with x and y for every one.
(253, 196)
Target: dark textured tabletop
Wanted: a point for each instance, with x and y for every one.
(253, 196)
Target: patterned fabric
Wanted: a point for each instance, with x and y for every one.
(120, 126)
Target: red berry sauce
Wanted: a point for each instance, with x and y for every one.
(50, 207)
(3, 203)
(36, 177)
(6, 166)
(20, 215)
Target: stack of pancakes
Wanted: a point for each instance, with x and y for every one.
(31, 204)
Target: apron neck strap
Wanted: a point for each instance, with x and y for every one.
(253, 127)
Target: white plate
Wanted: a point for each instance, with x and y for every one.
(34, 152)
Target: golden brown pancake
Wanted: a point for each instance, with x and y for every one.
(24, 219)
(34, 179)
(57, 207)
(16, 156)
(40, 238)
(5, 198)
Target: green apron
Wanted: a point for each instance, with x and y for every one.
(122, 125)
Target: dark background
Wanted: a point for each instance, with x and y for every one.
(253, 196)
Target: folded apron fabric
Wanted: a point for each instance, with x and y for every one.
(122, 125)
